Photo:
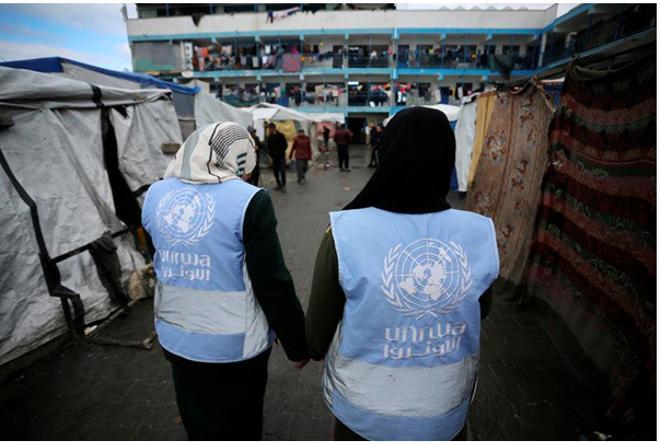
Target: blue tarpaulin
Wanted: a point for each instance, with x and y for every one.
(54, 64)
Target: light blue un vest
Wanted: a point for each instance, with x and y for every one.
(204, 306)
(403, 364)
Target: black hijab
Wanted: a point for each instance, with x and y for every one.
(417, 152)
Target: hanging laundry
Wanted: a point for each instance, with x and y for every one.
(277, 15)
(464, 133)
(291, 63)
(593, 258)
(507, 181)
(485, 105)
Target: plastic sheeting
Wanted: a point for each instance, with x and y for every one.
(86, 73)
(55, 150)
(209, 110)
(32, 89)
(331, 117)
(77, 72)
(30, 317)
(57, 156)
(140, 135)
(267, 112)
(464, 133)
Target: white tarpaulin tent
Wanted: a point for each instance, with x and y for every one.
(209, 110)
(282, 113)
(264, 112)
(55, 138)
(192, 105)
(332, 117)
(141, 132)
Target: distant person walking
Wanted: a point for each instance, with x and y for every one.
(342, 139)
(326, 136)
(326, 147)
(223, 294)
(258, 146)
(277, 150)
(374, 138)
(302, 148)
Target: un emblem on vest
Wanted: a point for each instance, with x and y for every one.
(426, 277)
(185, 216)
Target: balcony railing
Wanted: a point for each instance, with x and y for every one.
(368, 62)
(481, 61)
(295, 62)
(313, 100)
(601, 34)
(371, 99)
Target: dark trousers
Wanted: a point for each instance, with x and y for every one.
(254, 179)
(221, 401)
(279, 169)
(342, 153)
(301, 169)
(373, 162)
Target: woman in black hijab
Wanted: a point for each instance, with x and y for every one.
(417, 152)
(417, 157)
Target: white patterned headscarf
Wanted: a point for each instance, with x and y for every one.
(214, 154)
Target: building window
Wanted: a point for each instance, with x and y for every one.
(511, 49)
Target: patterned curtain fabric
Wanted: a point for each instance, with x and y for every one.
(593, 257)
(485, 105)
(508, 176)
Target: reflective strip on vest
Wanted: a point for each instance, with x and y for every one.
(385, 403)
(403, 363)
(204, 306)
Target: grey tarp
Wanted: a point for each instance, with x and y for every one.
(202, 106)
(140, 135)
(29, 88)
(55, 150)
(29, 317)
(209, 110)
(78, 72)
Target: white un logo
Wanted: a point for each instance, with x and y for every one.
(185, 216)
(426, 277)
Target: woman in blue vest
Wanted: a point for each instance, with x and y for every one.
(223, 292)
(397, 291)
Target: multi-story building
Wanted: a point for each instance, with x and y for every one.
(366, 60)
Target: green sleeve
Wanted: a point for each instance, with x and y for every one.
(327, 299)
(271, 281)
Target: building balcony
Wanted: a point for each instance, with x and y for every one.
(488, 62)
(333, 65)
(369, 62)
(633, 20)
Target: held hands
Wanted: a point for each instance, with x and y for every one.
(300, 364)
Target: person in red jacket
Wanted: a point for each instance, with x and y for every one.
(343, 138)
(302, 147)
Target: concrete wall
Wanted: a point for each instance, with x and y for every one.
(344, 20)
